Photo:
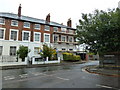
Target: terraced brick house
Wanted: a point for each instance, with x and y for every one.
(16, 30)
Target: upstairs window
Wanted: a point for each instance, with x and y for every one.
(2, 21)
(14, 23)
(70, 39)
(71, 31)
(26, 25)
(26, 36)
(47, 28)
(2, 32)
(55, 29)
(36, 36)
(56, 38)
(63, 38)
(14, 35)
(47, 38)
(37, 26)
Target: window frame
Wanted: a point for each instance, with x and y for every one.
(26, 26)
(38, 50)
(57, 39)
(37, 28)
(15, 51)
(3, 34)
(28, 37)
(69, 38)
(13, 24)
(54, 29)
(65, 38)
(17, 34)
(4, 21)
(39, 36)
(63, 30)
(1, 52)
(47, 29)
(44, 37)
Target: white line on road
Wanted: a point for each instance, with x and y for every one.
(23, 75)
(9, 77)
(62, 78)
(104, 86)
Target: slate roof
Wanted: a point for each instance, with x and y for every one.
(31, 19)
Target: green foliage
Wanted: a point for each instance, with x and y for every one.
(70, 57)
(22, 52)
(48, 52)
(100, 30)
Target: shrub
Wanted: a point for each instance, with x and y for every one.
(70, 57)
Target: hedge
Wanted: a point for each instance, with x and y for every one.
(70, 57)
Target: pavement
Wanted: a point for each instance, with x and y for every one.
(114, 72)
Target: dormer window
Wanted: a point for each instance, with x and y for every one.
(63, 30)
(26, 25)
(2, 21)
(47, 28)
(14, 23)
(37, 26)
(55, 29)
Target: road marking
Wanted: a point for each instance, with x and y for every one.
(62, 78)
(23, 75)
(104, 86)
(37, 74)
(9, 77)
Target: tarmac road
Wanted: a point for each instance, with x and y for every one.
(68, 76)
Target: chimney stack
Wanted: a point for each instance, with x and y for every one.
(19, 11)
(69, 22)
(48, 18)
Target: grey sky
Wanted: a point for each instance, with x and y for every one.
(60, 10)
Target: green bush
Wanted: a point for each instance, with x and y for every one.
(70, 57)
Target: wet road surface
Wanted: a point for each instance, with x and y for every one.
(69, 76)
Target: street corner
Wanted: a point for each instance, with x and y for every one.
(102, 71)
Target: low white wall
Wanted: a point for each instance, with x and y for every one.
(45, 62)
(14, 63)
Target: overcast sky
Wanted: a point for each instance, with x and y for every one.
(60, 10)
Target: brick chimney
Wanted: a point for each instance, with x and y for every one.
(48, 18)
(19, 11)
(69, 22)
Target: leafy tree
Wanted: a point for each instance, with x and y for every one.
(48, 52)
(22, 52)
(100, 30)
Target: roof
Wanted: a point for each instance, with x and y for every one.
(31, 19)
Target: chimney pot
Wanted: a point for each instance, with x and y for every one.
(69, 22)
(48, 18)
(19, 11)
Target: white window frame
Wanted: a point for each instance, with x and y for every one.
(23, 36)
(37, 28)
(3, 34)
(63, 30)
(16, 51)
(57, 39)
(46, 29)
(12, 24)
(44, 37)
(4, 21)
(69, 38)
(10, 34)
(39, 37)
(1, 50)
(70, 31)
(54, 30)
(38, 50)
(65, 38)
(26, 26)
